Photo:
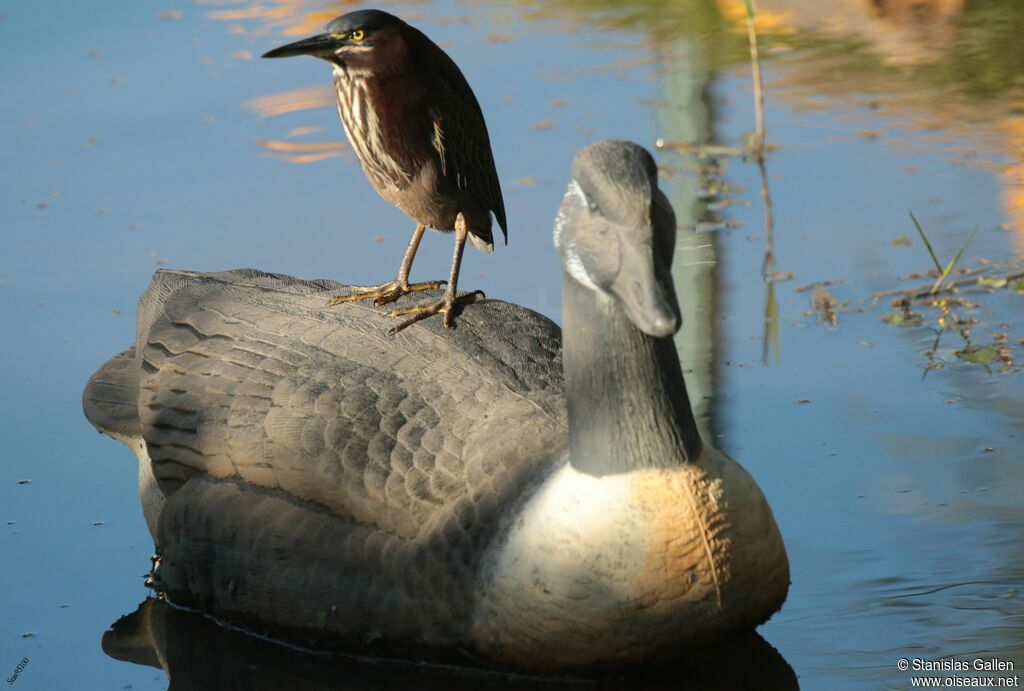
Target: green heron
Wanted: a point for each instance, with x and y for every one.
(420, 136)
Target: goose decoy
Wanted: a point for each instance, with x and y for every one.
(420, 136)
(447, 493)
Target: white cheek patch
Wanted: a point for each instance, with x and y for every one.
(573, 264)
(576, 268)
(350, 72)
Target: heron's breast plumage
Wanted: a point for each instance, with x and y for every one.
(362, 125)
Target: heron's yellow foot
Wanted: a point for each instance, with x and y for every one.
(445, 307)
(385, 292)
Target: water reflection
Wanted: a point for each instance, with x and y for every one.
(293, 17)
(900, 32)
(198, 655)
(292, 101)
(882, 483)
(946, 66)
(302, 153)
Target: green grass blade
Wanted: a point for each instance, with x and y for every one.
(749, 7)
(924, 239)
(954, 260)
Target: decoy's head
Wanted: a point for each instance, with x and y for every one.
(369, 40)
(616, 232)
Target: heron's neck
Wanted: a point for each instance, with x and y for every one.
(628, 407)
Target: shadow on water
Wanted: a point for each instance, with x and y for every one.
(199, 655)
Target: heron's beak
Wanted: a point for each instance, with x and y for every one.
(318, 46)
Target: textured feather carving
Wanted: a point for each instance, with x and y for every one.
(335, 457)
(329, 410)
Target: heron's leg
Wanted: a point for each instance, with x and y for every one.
(391, 291)
(447, 304)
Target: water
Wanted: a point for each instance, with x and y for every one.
(137, 134)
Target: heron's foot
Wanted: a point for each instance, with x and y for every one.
(385, 292)
(445, 307)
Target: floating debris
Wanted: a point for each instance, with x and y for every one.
(904, 319)
(826, 307)
(991, 282)
(980, 355)
(819, 284)
(700, 150)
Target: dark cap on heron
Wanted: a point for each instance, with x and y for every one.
(419, 133)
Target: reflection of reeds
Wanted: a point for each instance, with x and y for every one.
(770, 337)
(755, 66)
(756, 148)
(768, 265)
(771, 307)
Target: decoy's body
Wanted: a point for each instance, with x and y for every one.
(419, 133)
(446, 490)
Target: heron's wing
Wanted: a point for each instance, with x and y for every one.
(460, 137)
(241, 379)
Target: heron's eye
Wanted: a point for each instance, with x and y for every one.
(358, 35)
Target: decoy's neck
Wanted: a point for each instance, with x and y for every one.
(628, 407)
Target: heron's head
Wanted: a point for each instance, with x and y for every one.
(367, 41)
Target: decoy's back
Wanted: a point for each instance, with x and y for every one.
(335, 456)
